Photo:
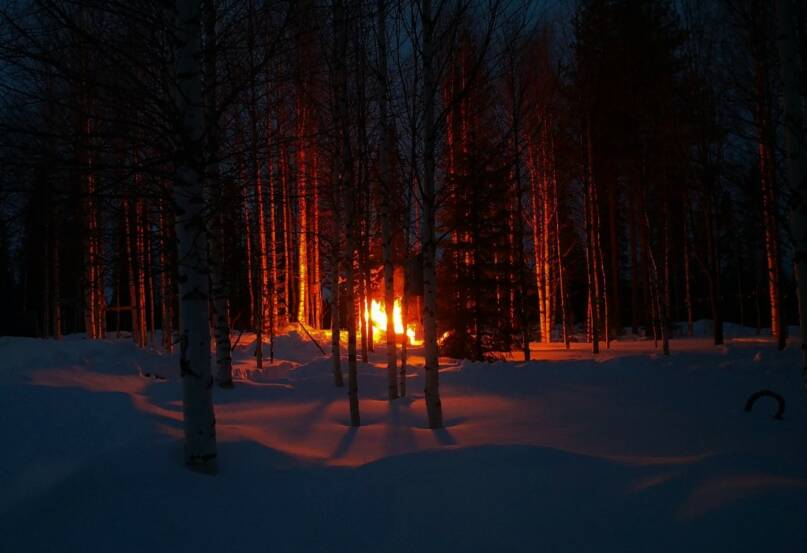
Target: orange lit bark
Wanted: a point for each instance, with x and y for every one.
(539, 167)
(560, 261)
(314, 287)
(139, 231)
(285, 208)
(591, 246)
(247, 232)
(302, 217)
(132, 275)
(262, 276)
(386, 185)
(273, 274)
(763, 115)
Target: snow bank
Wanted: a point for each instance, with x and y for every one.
(632, 451)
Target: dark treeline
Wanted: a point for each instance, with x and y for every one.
(489, 172)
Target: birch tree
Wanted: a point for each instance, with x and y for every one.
(386, 186)
(434, 408)
(194, 332)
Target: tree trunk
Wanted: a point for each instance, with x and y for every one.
(349, 192)
(561, 263)
(592, 269)
(387, 190)
(434, 408)
(197, 401)
(167, 284)
(221, 323)
(792, 65)
(302, 214)
(335, 303)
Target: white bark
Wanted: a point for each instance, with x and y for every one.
(197, 381)
(434, 408)
(386, 203)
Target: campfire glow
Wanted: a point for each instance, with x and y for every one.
(377, 316)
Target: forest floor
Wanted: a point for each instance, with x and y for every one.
(631, 451)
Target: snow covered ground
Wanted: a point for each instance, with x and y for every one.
(629, 452)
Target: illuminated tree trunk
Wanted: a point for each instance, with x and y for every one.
(655, 292)
(336, 353)
(771, 235)
(94, 306)
(546, 232)
(302, 215)
(273, 275)
(792, 65)
(387, 191)
(348, 190)
(140, 231)
(429, 308)
(314, 288)
(564, 315)
(247, 221)
(197, 401)
(262, 277)
(364, 301)
(541, 163)
(149, 272)
(516, 111)
(350, 314)
(767, 176)
(94, 302)
(592, 269)
(599, 263)
(404, 337)
(285, 207)
(128, 232)
(92, 317)
(218, 290)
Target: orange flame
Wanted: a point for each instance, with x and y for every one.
(377, 315)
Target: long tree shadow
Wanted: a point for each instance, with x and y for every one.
(345, 443)
(443, 436)
(399, 436)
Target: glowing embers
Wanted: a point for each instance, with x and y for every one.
(377, 316)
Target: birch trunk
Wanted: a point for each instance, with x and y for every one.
(336, 353)
(519, 219)
(434, 408)
(221, 323)
(385, 184)
(564, 315)
(349, 192)
(591, 247)
(302, 214)
(197, 381)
